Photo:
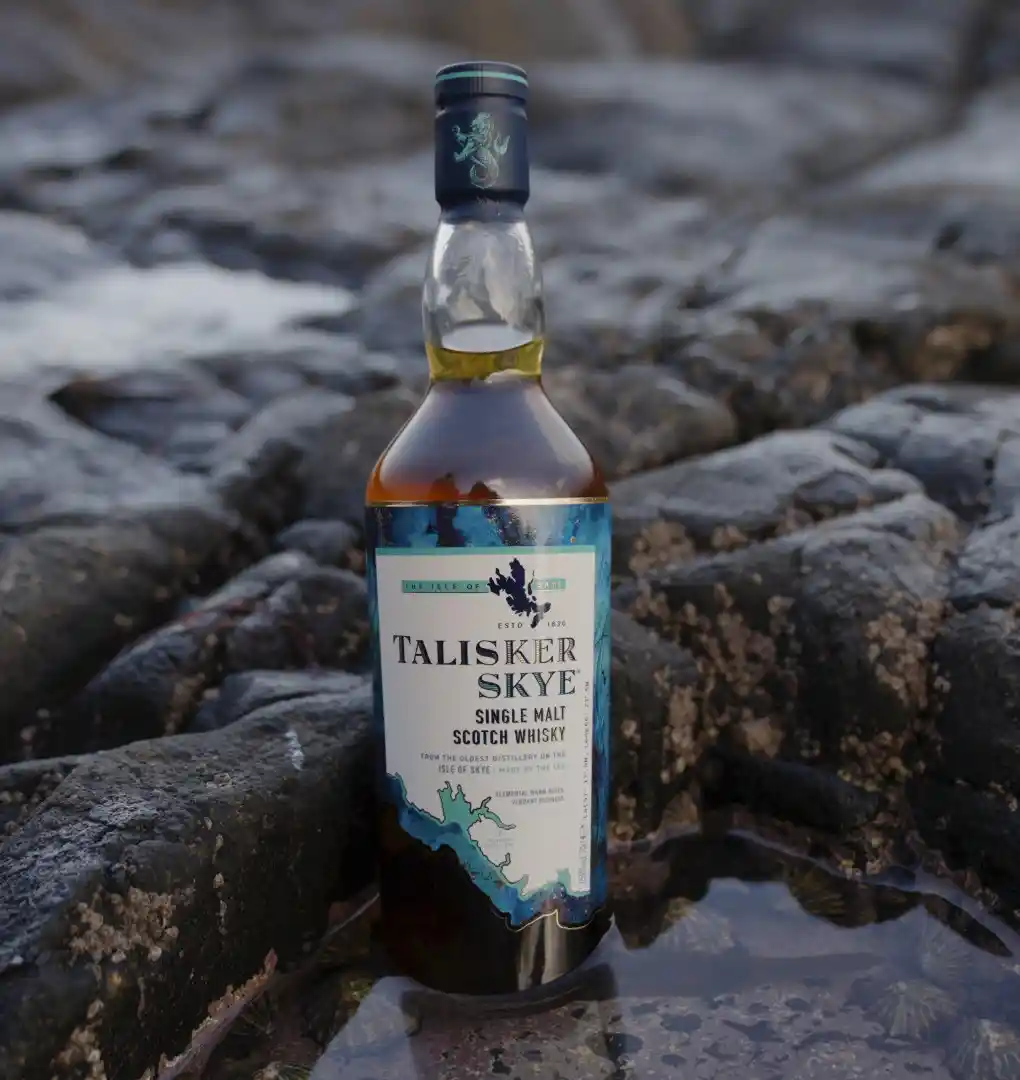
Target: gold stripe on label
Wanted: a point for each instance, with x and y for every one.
(488, 502)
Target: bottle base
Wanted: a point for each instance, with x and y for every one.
(589, 977)
(533, 964)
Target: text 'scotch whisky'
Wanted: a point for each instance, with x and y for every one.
(488, 537)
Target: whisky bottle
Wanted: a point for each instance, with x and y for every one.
(488, 543)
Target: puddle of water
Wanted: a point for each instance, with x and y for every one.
(727, 959)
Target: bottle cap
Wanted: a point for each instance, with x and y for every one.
(480, 78)
(481, 134)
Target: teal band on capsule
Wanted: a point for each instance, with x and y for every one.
(478, 74)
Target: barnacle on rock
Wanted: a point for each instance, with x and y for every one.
(690, 928)
(984, 1050)
(947, 958)
(912, 1009)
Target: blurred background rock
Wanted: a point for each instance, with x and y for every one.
(73, 45)
(68, 45)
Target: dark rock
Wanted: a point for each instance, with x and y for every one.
(158, 873)
(333, 226)
(578, 215)
(264, 487)
(328, 102)
(301, 361)
(783, 375)
(284, 613)
(654, 717)
(959, 441)
(342, 366)
(101, 540)
(150, 689)
(26, 784)
(154, 409)
(388, 316)
(254, 583)
(53, 469)
(984, 575)
(258, 375)
(767, 488)
(189, 444)
(791, 791)
(244, 167)
(784, 321)
(615, 289)
(112, 130)
(678, 127)
(36, 255)
(1001, 54)
(831, 626)
(973, 830)
(919, 39)
(315, 448)
(954, 194)
(264, 468)
(870, 603)
(60, 49)
(33, 58)
(318, 618)
(822, 286)
(977, 694)
(533, 29)
(639, 417)
(963, 443)
(732, 612)
(329, 543)
(77, 593)
(240, 695)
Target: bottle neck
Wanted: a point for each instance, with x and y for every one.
(482, 302)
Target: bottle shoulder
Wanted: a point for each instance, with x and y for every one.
(483, 441)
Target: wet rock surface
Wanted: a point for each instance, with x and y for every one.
(916, 40)
(780, 246)
(654, 713)
(960, 442)
(746, 963)
(287, 612)
(954, 191)
(620, 117)
(830, 626)
(77, 593)
(792, 790)
(768, 488)
(145, 878)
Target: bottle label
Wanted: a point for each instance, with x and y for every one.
(491, 626)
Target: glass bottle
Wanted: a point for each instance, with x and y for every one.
(488, 541)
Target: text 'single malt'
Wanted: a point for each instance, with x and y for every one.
(488, 539)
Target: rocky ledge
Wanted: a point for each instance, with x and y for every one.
(783, 267)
